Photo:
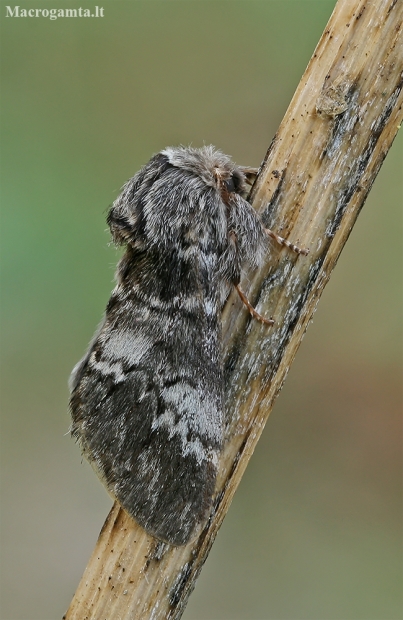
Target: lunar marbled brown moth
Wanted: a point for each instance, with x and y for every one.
(147, 398)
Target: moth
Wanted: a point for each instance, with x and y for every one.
(147, 398)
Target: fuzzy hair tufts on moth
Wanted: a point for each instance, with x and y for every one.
(147, 398)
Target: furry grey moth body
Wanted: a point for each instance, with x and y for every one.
(147, 398)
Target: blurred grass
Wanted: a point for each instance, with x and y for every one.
(315, 529)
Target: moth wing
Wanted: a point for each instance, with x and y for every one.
(151, 422)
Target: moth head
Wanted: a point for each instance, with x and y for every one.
(211, 165)
(233, 184)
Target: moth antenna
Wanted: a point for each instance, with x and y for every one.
(250, 174)
(251, 309)
(283, 242)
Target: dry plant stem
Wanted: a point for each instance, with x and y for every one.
(314, 181)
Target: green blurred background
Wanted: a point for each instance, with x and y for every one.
(314, 531)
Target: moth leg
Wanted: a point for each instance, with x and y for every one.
(283, 242)
(249, 173)
(250, 177)
(251, 309)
